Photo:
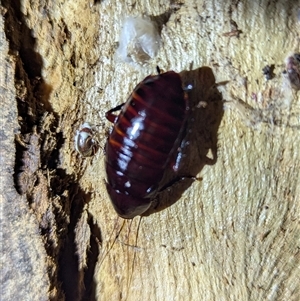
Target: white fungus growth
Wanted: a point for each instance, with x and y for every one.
(139, 40)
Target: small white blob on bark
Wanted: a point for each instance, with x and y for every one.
(139, 41)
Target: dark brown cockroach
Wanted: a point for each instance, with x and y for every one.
(145, 142)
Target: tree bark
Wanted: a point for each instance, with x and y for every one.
(232, 234)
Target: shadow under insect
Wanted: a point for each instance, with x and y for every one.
(199, 146)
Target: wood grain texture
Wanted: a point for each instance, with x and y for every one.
(23, 261)
(234, 235)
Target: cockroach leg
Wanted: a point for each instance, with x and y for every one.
(112, 117)
(177, 180)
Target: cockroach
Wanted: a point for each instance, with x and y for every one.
(145, 142)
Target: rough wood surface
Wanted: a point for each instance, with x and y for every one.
(23, 273)
(234, 235)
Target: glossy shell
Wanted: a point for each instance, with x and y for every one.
(144, 142)
(293, 70)
(85, 142)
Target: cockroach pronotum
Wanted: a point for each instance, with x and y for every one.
(145, 142)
